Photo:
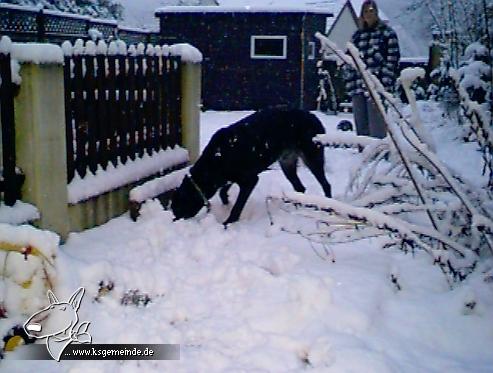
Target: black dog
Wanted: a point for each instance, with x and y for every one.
(238, 153)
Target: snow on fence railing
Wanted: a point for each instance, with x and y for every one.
(123, 174)
(160, 188)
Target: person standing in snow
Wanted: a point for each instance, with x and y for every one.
(379, 49)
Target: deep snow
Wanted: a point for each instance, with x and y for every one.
(255, 299)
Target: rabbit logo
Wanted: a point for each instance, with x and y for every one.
(64, 327)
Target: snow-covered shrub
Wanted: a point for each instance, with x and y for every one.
(475, 73)
(402, 193)
(327, 97)
(136, 298)
(443, 88)
(467, 31)
(473, 82)
(457, 24)
(27, 271)
(418, 87)
(465, 94)
(104, 288)
(27, 268)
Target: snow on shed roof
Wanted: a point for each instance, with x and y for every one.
(329, 7)
(241, 9)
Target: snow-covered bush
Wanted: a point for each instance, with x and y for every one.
(463, 82)
(327, 97)
(418, 87)
(457, 24)
(27, 271)
(461, 29)
(473, 83)
(402, 193)
(475, 73)
(27, 268)
(442, 88)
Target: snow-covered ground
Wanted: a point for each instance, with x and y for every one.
(255, 299)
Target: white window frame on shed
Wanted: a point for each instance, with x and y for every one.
(284, 39)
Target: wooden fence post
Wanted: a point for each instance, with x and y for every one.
(190, 108)
(40, 25)
(7, 132)
(40, 138)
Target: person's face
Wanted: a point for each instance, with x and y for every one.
(370, 15)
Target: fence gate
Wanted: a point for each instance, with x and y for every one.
(119, 107)
(10, 179)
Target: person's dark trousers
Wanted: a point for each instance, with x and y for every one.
(368, 120)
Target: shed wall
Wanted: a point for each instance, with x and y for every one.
(232, 80)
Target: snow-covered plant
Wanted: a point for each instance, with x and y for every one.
(460, 23)
(460, 28)
(443, 88)
(136, 298)
(418, 206)
(326, 99)
(473, 83)
(402, 193)
(463, 82)
(475, 73)
(104, 288)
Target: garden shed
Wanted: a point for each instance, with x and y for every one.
(254, 57)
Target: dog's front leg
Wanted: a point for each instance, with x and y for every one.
(246, 188)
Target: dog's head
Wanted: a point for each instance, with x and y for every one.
(186, 201)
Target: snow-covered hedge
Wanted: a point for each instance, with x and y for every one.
(402, 191)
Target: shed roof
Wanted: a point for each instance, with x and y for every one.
(327, 7)
(242, 9)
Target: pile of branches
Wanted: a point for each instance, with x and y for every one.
(402, 193)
